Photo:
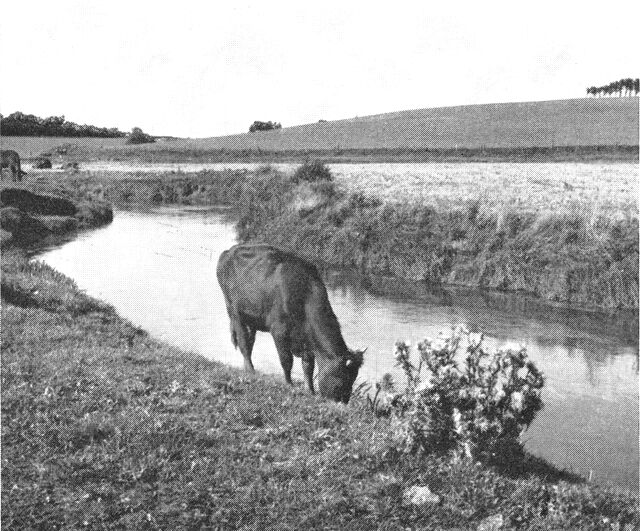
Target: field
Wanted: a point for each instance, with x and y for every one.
(577, 122)
(531, 187)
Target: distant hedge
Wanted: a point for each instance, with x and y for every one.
(20, 124)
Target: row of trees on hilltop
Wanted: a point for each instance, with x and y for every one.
(20, 124)
(624, 87)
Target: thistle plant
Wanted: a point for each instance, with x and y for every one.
(477, 406)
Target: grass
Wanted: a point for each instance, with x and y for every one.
(104, 427)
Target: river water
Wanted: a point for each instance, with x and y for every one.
(157, 268)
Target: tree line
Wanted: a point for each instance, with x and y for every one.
(624, 87)
(20, 124)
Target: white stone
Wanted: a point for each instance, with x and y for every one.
(492, 523)
(418, 495)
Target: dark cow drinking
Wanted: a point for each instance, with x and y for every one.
(270, 290)
(11, 160)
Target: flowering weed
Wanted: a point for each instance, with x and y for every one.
(477, 408)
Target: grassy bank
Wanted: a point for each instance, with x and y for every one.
(106, 428)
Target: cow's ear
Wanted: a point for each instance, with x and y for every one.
(356, 357)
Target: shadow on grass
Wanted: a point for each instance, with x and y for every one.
(529, 465)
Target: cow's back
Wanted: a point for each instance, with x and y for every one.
(261, 281)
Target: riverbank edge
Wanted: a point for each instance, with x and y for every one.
(103, 426)
(29, 213)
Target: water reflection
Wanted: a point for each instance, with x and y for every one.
(158, 269)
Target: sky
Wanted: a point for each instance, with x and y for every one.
(207, 68)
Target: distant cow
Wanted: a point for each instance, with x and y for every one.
(268, 289)
(11, 160)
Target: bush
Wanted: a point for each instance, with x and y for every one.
(264, 126)
(478, 410)
(312, 171)
(137, 136)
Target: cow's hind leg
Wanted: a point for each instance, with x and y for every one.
(283, 344)
(244, 337)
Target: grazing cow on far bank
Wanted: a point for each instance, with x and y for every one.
(11, 160)
(271, 290)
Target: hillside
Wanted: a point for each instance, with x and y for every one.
(578, 122)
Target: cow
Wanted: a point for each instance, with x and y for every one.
(270, 290)
(11, 160)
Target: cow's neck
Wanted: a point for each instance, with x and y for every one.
(327, 335)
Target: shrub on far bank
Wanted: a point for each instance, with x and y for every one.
(137, 136)
(312, 171)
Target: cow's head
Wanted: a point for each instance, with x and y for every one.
(336, 380)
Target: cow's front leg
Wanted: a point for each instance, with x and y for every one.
(308, 364)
